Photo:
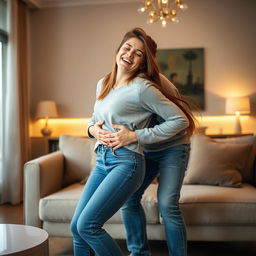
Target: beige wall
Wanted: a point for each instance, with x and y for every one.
(73, 47)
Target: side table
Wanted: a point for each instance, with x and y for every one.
(43, 145)
(231, 135)
(21, 240)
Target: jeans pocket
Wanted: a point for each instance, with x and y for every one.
(123, 153)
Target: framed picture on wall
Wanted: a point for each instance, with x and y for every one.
(185, 69)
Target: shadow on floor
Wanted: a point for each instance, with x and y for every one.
(63, 247)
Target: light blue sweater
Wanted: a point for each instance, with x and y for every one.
(178, 139)
(132, 105)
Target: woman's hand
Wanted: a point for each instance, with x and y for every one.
(121, 138)
(100, 134)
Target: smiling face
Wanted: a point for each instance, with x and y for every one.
(130, 57)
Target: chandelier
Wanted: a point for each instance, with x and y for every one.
(163, 10)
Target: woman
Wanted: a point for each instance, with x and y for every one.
(125, 98)
(168, 160)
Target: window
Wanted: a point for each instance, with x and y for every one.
(3, 55)
(1, 99)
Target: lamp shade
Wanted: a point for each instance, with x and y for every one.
(46, 109)
(241, 105)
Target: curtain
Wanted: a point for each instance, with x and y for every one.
(15, 107)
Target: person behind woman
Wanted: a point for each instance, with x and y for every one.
(127, 99)
(168, 159)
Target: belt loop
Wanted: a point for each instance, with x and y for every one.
(104, 152)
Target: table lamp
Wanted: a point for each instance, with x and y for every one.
(238, 106)
(46, 109)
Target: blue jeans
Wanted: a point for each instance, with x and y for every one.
(171, 164)
(117, 175)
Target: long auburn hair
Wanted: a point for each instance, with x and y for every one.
(150, 70)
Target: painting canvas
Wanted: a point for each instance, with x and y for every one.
(185, 68)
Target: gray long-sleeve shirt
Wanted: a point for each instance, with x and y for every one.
(132, 105)
(181, 137)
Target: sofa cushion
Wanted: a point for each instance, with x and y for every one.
(60, 206)
(211, 205)
(216, 163)
(79, 157)
(149, 203)
(250, 165)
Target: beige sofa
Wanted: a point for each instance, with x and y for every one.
(218, 198)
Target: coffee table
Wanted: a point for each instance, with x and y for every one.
(21, 240)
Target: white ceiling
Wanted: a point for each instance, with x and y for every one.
(66, 3)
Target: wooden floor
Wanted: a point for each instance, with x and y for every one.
(63, 246)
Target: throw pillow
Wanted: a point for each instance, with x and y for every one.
(79, 157)
(248, 172)
(216, 163)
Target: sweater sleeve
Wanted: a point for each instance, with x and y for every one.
(154, 101)
(92, 121)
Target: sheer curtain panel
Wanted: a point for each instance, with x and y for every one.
(15, 105)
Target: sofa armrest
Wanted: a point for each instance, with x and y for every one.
(42, 176)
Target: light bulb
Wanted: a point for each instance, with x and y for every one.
(175, 20)
(149, 3)
(152, 14)
(141, 10)
(164, 23)
(164, 1)
(183, 7)
(165, 11)
(173, 12)
(150, 21)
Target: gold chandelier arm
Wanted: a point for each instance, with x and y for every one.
(159, 3)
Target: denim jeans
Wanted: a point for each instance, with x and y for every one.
(117, 175)
(171, 164)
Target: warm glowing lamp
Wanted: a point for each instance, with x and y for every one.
(238, 106)
(46, 109)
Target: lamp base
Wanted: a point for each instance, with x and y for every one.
(237, 128)
(46, 132)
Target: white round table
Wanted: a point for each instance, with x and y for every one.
(21, 240)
